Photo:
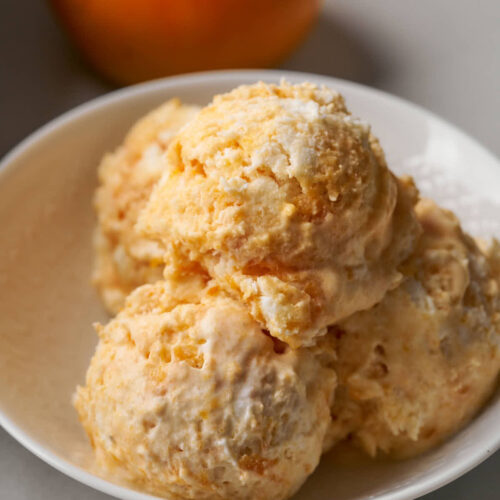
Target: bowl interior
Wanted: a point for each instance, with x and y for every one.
(47, 305)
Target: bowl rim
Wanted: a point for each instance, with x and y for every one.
(7, 164)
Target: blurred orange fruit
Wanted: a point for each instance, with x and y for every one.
(134, 40)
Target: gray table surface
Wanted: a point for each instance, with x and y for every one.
(441, 54)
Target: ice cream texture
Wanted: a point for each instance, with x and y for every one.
(278, 291)
(286, 201)
(126, 259)
(417, 366)
(188, 397)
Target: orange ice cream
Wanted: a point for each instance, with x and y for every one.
(124, 258)
(286, 201)
(416, 367)
(187, 397)
(283, 291)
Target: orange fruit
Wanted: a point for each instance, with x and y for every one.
(134, 40)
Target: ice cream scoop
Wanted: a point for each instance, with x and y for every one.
(417, 366)
(286, 201)
(188, 397)
(124, 258)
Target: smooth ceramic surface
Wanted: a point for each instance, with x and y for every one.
(47, 304)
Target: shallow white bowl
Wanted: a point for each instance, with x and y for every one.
(47, 305)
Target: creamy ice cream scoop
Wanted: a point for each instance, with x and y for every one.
(188, 397)
(286, 201)
(124, 258)
(417, 366)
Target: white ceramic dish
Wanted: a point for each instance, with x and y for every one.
(47, 304)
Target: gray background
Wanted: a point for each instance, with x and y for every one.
(441, 54)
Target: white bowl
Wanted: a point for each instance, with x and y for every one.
(47, 305)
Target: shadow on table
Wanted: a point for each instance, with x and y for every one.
(41, 75)
(333, 50)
